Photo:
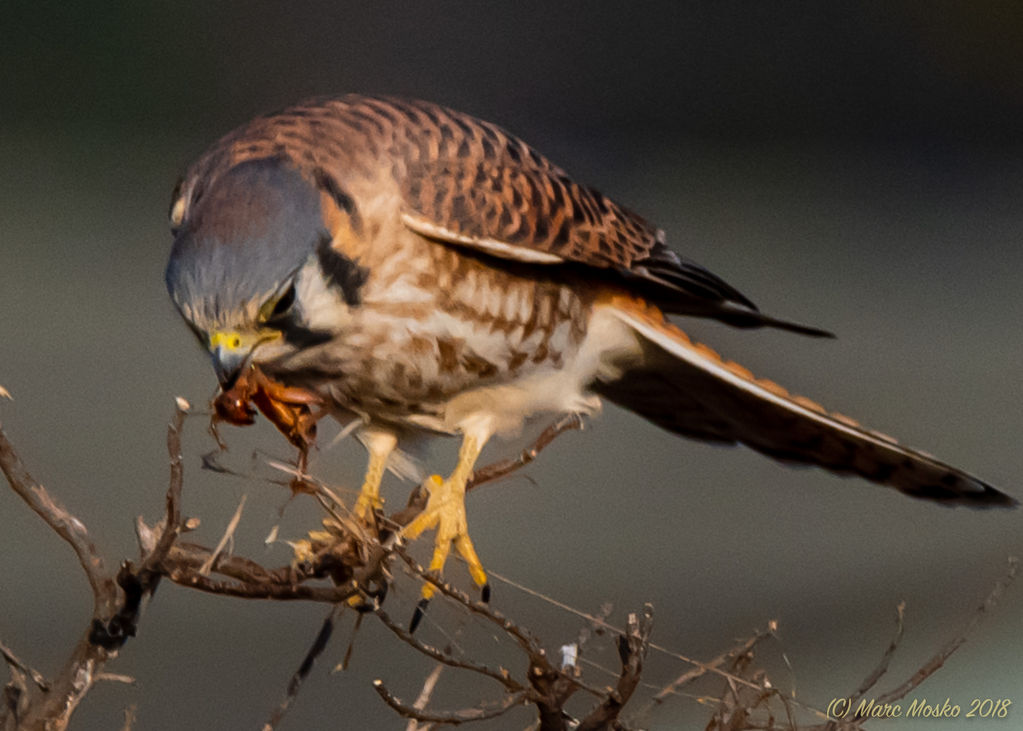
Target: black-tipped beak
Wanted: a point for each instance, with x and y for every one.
(228, 363)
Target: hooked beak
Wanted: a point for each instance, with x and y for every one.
(228, 364)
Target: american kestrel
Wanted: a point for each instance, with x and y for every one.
(426, 273)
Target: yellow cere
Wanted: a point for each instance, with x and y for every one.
(234, 340)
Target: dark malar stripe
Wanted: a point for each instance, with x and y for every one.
(340, 271)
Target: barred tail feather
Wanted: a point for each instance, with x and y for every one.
(688, 389)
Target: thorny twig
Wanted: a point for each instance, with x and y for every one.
(138, 583)
(736, 703)
(29, 707)
(526, 641)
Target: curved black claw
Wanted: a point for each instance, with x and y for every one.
(374, 590)
(417, 616)
(485, 593)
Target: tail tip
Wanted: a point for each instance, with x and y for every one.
(974, 494)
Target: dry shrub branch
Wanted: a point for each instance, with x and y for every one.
(348, 567)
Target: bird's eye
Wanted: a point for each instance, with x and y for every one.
(274, 309)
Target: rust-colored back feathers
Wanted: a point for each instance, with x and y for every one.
(469, 183)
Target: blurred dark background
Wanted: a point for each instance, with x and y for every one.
(857, 166)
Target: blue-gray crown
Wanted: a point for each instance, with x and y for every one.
(243, 237)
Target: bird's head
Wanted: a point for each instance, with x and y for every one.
(252, 270)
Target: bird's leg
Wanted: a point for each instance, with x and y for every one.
(445, 511)
(379, 443)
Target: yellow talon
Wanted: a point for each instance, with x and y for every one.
(380, 444)
(445, 511)
(366, 505)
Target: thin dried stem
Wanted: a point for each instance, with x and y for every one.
(454, 718)
(232, 525)
(600, 622)
(882, 667)
(115, 678)
(424, 697)
(689, 676)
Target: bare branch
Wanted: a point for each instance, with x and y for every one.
(11, 659)
(172, 519)
(63, 523)
(54, 707)
(939, 659)
(550, 686)
(317, 648)
(551, 690)
(137, 584)
(193, 556)
(497, 470)
(601, 622)
(501, 676)
(524, 639)
(454, 718)
(115, 678)
(882, 667)
(691, 675)
(264, 590)
(354, 558)
(16, 699)
(129, 718)
(632, 649)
